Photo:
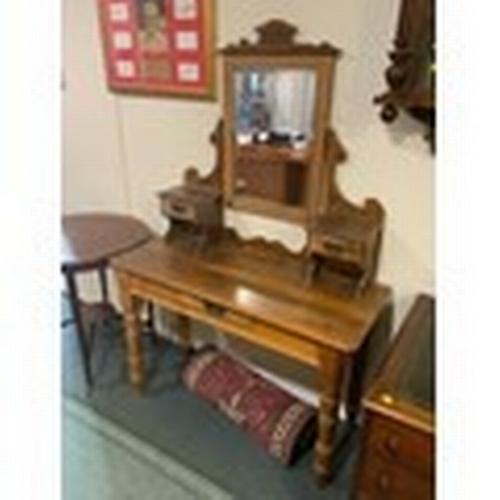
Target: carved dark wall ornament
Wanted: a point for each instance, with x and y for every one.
(411, 74)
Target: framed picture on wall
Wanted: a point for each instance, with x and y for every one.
(163, 47)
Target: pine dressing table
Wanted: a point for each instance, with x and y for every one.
(320, 306)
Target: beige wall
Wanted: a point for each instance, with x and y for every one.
(120, 151)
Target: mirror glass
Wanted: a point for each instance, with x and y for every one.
(274, 124)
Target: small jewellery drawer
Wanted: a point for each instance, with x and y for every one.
(407, 446)
(190, 204)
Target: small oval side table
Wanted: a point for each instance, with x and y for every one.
(89, 241)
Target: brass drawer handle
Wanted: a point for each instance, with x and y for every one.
(178, 207)
(330, 246)
(214, 309)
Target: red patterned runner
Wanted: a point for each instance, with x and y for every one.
(281, 423)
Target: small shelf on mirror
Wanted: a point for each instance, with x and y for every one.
(270, 153)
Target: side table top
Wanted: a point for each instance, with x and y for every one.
(90, 239)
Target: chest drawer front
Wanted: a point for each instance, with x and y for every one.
(407, 446)
(383, 479)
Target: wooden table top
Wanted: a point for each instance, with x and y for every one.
(267, 286)
(90, 239)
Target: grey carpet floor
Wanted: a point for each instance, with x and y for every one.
(187, 429)
(105, 462)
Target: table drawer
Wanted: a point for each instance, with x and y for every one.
(399, 443)
(383, 479)
(230, 321)
(186, 303)
(254, 331)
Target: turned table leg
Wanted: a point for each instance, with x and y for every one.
(131, 307)
(79, 327)
(331, 376)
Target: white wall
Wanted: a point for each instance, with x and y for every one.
(93, 163)
(119, 151)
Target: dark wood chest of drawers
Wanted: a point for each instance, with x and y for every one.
(397, 456)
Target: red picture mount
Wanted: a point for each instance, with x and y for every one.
(164, 47)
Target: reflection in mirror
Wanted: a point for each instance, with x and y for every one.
(274, 111)
(274, 106)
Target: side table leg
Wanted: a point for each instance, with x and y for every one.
(80, 327)
(331, 375)
(104, 284)
(132, 334)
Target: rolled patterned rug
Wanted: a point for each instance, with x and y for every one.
(283, 424)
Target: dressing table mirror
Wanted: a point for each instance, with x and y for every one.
(276, 156)
(277, 100)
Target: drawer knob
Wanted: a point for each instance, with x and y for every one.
(214, 309)
(383, 482)
(392, 445)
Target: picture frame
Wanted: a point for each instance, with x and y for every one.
(159, 47)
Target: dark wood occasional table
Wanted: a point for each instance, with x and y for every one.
(89, 240)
